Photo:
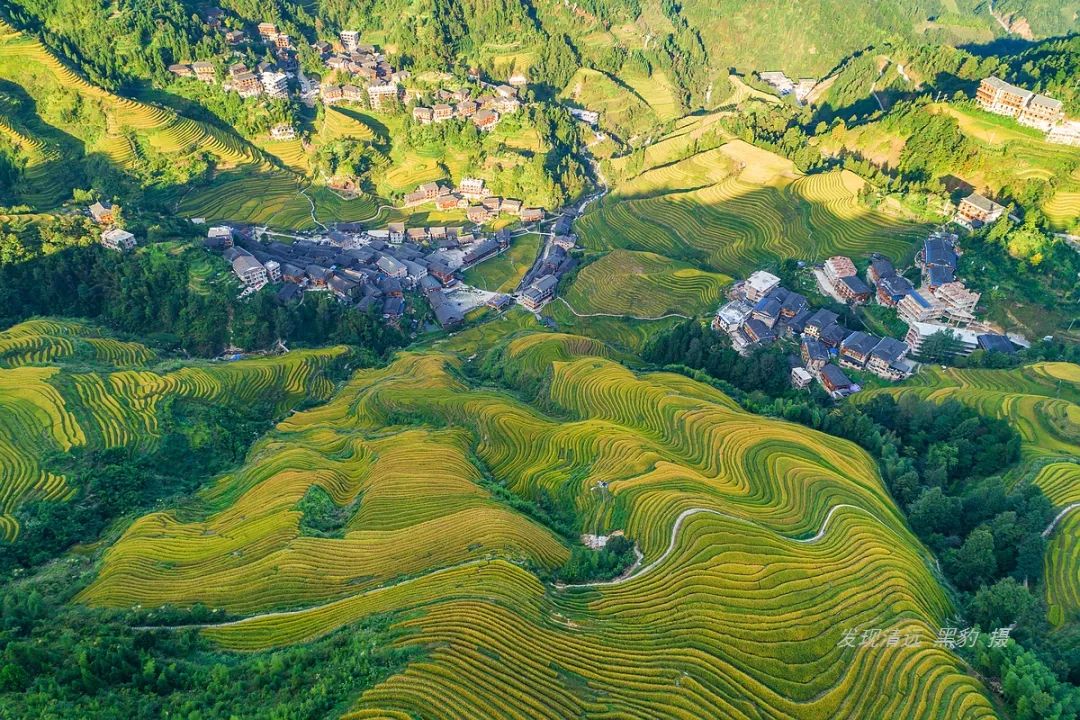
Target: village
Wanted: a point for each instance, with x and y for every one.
(353, 73)
(760, 311)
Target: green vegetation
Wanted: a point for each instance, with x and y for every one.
(504, 272)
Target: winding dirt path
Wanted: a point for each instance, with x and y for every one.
(633, 575)
(615, 315)
(1053, 523)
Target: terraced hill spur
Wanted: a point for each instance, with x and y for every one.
(761, 541)
(47, 407)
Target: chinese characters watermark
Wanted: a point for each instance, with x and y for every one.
(950, 638)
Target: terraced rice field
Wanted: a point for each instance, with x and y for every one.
(656, 91)
(768, 540)
(1042, 401)
(625, 282)
(26, 62)
(46, 409)
(755, 208)
(345, 123)
(37, 342)
(1063, 209)
(1062, 571)
(621, 109)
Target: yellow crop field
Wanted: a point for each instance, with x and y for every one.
(42, 341)
(762, 541)
(1063, 571)
(46, 409)
(738, 207)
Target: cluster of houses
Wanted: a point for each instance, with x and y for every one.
(114, 238)
(539, 284)
(484, 111)
(760, 311)
(364, 64)
(371, 270)
(786, 86)
(266, 78)
(470, 195)
(1030, 109)
(269, 78)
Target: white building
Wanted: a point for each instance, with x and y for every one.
(759, 284)
(283, 131)
(275, 84)
(732, 315)
(117, 239)
(801, 377)
(273, 271)
(382, 95)
(589, 117)
(918, 332)
(350, 40)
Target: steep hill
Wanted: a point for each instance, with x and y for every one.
(762, 542)
(736, 207)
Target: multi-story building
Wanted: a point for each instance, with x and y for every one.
(268, 31)
(979, 210)
(956, 301)
(732, 315)
(441, 112)
(382, 96)
(117, 239)
(918, 332)
(276, 84)
(759, 284)
(1037, 111)
(855, 349)
(1042, 113)
(250, 271)
(539, 292)
(999, 97)
(837, 267)
(350, 40)
(247, 85)
(204, 71)
(913, 307)
(887, 359)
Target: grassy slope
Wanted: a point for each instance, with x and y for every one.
(415, 440)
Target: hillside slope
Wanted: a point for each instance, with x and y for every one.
(762, 542)
(53, 400)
